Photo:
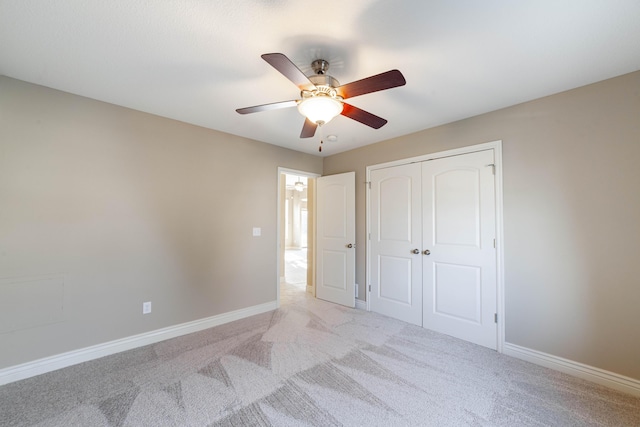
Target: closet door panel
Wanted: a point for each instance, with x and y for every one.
(459, 274)
(396, 271)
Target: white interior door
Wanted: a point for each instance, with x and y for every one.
(396, 242)
(336, 235)
(459, 228)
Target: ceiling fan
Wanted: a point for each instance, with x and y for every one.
(322, 96)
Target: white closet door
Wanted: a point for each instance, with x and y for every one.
(459, 228)
(396, 270)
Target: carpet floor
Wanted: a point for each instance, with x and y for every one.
(295, 266)
(311, 363)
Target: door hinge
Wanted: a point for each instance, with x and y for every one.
(369, 236)
(369, 288)
(493, 168)
(494, 243)
(495, 317)
(368, 183)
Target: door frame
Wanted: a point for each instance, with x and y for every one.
(497, 149)
(279, 217)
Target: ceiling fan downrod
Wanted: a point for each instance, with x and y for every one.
(320, 66)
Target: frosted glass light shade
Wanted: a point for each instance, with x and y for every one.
(320, 109)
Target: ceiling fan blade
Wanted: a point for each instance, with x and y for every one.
(362, 116)
(267, 107)
(308, 129)
(288, 69)
(388, 80)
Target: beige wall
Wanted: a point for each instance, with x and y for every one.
(571, 165)
(127, 207)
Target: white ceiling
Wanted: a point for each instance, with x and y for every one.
(198, 60)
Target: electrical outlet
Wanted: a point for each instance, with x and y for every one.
(146, 307)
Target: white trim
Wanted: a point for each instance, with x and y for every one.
(279, 274)
(496, 146)
(361, 304)
(500, 300)
(448, 153)
(52, 363)
(576, 369)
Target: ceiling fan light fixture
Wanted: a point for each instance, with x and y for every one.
(320, 108)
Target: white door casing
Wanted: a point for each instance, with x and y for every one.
(335, 242)
(396, 233)
(459, 228)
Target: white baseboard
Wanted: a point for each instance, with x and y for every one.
(589, 373)
(360, 304)
(52, 363)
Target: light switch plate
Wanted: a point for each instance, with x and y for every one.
(257, 231)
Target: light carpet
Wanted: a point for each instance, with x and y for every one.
(295, 266)
(312, 363)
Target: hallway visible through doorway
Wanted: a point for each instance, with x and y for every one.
(296, 222)
(295, 273)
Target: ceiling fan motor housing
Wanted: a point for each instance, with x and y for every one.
(321, 78)
(325, 86)
(324, 80)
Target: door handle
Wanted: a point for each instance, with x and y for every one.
(351, 245)
(416, 251)
(427, 252)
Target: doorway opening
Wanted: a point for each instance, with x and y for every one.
(296, 235)
(296, 218)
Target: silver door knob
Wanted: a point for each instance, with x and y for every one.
(350, 245)
(427, 252)
(416, 251)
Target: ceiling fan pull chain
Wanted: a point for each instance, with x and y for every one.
(321, 138)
